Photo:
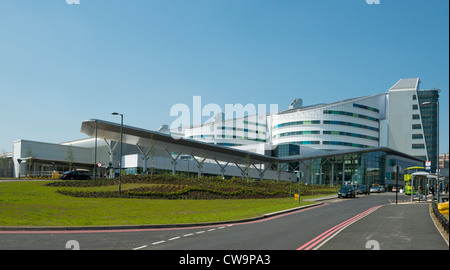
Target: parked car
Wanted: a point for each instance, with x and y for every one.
(75, 175)
(346, 191)
(377, 189)
(363, 190)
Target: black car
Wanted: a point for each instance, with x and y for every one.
(346, 191)
(75, 175)
(363, 190)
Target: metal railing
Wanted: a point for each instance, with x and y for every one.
(441, 218)
(37, 174)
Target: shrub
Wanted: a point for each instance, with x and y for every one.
(178, 187)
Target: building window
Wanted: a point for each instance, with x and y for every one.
(345, 144)
(415, 107)
(365, 107)
(418, 146)
(285, 150)
(415, 116)
(351, 114)
(414, 97)
(293, 133)
(306, 142)
(254, 123)
(343, 123)
(416, 126)
(417, 136)
(310, 122)
(342, 133)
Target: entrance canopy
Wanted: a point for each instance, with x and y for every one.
(434, 176)
(425, 174)
(147, 138)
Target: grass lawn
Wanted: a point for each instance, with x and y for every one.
(31, 203)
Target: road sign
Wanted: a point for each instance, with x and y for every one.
(428, 165)
(397, 168)
(99, 164)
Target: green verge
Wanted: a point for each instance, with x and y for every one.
(33, 203)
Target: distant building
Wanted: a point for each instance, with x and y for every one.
(443, 160)
(443, 165)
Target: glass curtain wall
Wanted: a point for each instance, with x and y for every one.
(429, 123)
(356, 169)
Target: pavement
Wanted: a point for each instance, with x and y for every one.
(403, 226)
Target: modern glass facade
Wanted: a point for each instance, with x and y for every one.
(286, 150)
(367, 168)
(358, 169)
(429, 123)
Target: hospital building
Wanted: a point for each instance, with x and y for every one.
(356, 140)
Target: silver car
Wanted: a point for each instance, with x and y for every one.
(377, 189)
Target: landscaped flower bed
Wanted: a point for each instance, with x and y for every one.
(177, 187)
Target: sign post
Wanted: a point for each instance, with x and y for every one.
(300, 175)
(428, 165)
(397, 169)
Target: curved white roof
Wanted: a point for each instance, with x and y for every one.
(142, 137)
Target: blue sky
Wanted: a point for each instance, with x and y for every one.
(61, 64)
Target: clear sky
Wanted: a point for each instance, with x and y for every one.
(61, 64)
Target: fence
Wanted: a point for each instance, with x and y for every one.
(444, 221)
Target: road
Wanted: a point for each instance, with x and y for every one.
(335, 224)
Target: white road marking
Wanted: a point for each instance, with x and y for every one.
(140, 247)
(185, 235)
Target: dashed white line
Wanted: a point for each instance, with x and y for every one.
(140, 247)
(185, 235)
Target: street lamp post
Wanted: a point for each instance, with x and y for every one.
(120, 158)
(397, 170)
(95, 151)
(428, 103)
(300, 175)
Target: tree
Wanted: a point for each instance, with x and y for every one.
(152, 153)
(4, 164)
(69, 157)
(30, 160)
(248, 163)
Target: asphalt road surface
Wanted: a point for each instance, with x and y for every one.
(365, 222)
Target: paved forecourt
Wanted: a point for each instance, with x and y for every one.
(406, 226)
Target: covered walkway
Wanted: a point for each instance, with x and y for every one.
(363, 166)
